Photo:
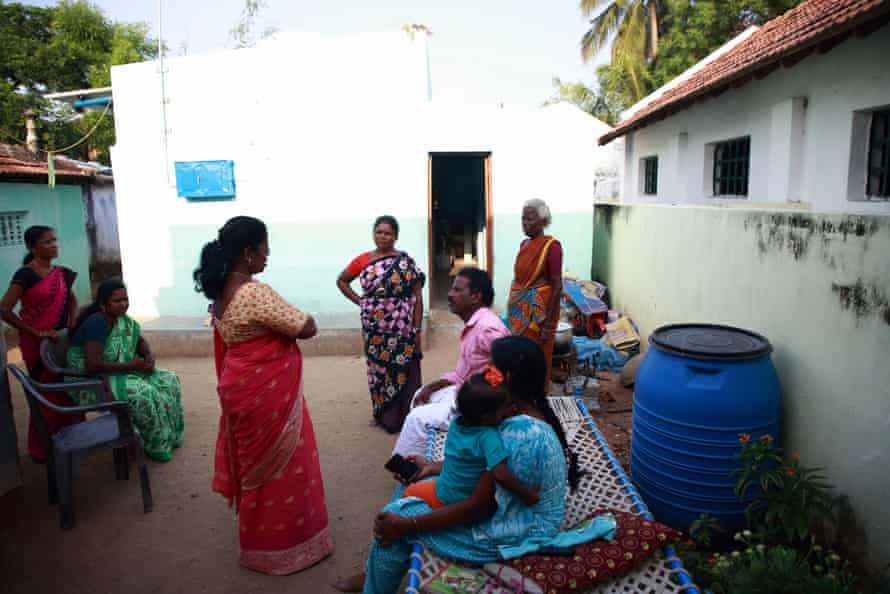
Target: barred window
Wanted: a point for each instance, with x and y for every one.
(12, 228)
(650, 175)
(878, 185)
(732, 160)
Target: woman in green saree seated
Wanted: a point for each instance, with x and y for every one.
(104, 340)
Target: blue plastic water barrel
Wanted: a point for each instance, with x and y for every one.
(698, 387)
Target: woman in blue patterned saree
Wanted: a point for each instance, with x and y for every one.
(475, 529)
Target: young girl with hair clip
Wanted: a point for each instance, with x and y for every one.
(474, 446)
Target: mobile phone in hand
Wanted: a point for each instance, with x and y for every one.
(402, 467)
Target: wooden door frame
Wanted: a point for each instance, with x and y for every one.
(489, 216)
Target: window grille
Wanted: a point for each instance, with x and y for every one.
(650, 175)
(878, 185)
(732, 166)
(12, 228)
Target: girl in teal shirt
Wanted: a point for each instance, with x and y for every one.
(474, 446)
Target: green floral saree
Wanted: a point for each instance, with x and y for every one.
(155, 398)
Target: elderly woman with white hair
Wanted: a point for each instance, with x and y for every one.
(533, 308)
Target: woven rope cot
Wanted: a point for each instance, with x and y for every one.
(604, 485)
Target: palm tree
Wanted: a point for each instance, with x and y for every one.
(634, 24)
(635, 21)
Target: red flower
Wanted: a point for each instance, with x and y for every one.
(789, 472)
(712, 560)
(766, 437)
(744, 437)
(795, 456)
(690, 542)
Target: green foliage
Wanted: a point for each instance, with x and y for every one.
(129, 43)
(69, 46)
(621, 85)
(778, 555)
(631, 27)
(644, 57)
(25, 33)
(81, 39)
(703, 529)
(589, 100)
(692, 30)
(630, 22)
(790, 497)
(781, 569)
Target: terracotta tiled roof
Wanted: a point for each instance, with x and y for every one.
(17, 163)
(816, 25)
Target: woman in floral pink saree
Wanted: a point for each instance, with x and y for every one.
(392, 316)
(266, 461)
(48, 305)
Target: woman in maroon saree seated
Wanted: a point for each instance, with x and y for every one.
(266, 459)
(48, 305)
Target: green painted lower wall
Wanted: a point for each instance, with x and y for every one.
(61, 208)
(303, 266)
(306, 259)
(818, 286)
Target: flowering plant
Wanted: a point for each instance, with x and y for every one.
(778, 570)
(790, 496)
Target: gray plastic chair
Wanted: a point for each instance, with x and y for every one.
(112, 429)
(53, 354)
(54, 357)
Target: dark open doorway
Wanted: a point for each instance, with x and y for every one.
(459, 218)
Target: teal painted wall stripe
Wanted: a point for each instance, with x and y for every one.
(61, 208)
(307, 257)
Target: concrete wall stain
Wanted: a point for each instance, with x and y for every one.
(863, 300)
(782, 232)
(858, 226)
(606, 212)
(625, 214)
(794, 233)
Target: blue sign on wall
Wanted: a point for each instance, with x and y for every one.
(205, 179)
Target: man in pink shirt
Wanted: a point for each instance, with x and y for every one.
(470, 298)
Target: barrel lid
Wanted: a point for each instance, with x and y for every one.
(711, 341)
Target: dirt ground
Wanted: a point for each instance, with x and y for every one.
(188, 543)
(614, 416)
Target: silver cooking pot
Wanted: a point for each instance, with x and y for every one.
(563, 338)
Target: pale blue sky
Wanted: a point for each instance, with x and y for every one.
(482, 51)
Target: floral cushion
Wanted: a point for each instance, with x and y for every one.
(636, 539)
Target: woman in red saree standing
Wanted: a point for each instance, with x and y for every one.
(533, 308)
(48, 305)
(266, 459)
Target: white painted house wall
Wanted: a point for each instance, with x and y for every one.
(801, 121)
(815, 280)
(326, 134)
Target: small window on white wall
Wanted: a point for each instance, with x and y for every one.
(12, 228)
(732, 167)
(877, 183)
(649, 175)
(869, 172)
